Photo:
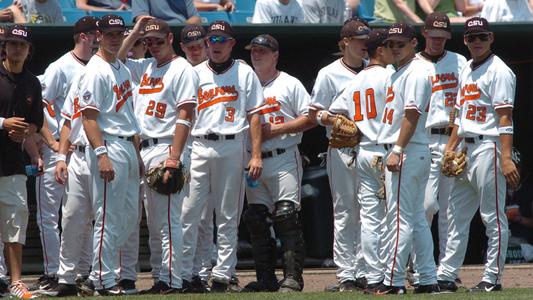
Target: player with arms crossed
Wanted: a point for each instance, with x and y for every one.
(444, 81)
(363, 101)
(484, 123)
(114, 160)
(276, 198)
(164, 106)
(229, 99)
(329, 84)
(408, 161)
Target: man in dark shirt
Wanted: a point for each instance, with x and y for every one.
(21, 115)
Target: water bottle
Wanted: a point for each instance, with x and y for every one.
(252, 183)
(32, 170)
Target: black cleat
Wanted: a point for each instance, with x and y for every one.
(427, 289)
(260, 286)
(198, 285)
(484, 286)
(347, 286)
(288, 285)
(371, 288)
(389, 290)
(86, 288)
(4, 288)
(62, 290)
(112, 291)
(447, 286)
(44, 283)
(234, 286)
(128, 287)
(360, 283)
(219, 287)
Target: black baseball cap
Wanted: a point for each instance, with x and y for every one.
(86, 24)
(401, 32)
(265, 40)
(18, 33)
(437, 24)
(220, 27)
(192, 33)
(476, 25)
(111, 23)
(355, 28)
(156, 28)
(376, 38)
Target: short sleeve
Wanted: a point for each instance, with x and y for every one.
(137, 68)
(341, 104)
(52, 83)
(322, 93)
(186, 87)
(261, 14)
(503, 88)
(254, 94)
(417, 91)
(302, 99)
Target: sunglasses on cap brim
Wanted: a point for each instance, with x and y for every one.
(213, 39)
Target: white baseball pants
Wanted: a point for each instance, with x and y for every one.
(482, 186)
(216, 171)
(406, 219)
(128, 256)
(3, 269)
(347, 231)
(202, 264)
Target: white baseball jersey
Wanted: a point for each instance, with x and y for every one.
(363, 100)
(71, 111)
(108, 88)
(444, 87)
(55, 83)
(483, 90)
(226, 99)
(506, 11)
(285, 99)
(324, 11)
(273, 11)
(402, 95)
(161, 90)
(328, 85)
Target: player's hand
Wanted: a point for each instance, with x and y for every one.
(510, 172)
(18, 136)
(54, 146)
(61, 172)
(268, 131)
(393, 162)
(105, 167)
(38, 161)
(140, 24)
(6, 15)
(16, 124)
(255, 168)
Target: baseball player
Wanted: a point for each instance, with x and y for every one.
(276, 199)
(408, 161)
(484, 124)
(329, 83)
(193, 44)
(114, 161)
(164, 105)
(21, 116)
(444, 78)
(229, 99)
(56, 82)
(363, 101)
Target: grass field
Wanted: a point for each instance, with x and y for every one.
(513, 294)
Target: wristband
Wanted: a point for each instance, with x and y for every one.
(100, 150)
(505, 130)
(397, 149)
(61, 157)
(184, 122)
(319, 118)
(2, 123)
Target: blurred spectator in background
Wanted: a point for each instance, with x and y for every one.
(324, 11)
(456, 10)
(393, 11)
(171, 11)
(37, 12)
(6, 15)
(278, 11)
(103, 4)
(208, 5)
(507, 10)
(477, 6)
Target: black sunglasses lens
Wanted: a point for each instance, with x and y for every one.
(482, 37)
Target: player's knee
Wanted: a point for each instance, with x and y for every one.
(257, 218)
(285, 216)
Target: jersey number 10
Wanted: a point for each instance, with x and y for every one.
(370, 105)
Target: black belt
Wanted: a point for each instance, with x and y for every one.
(472, 140)
(269, 154)
(216, 137)
(441, 131)
(79, 148)
(146, 143)
(127, 138)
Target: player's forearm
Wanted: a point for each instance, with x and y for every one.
(64, 141)
(31, 147)
(182, 130)
(505, 124)
(453, 140)
(45, 133)
(92, 130)
(300, 124)
(407, 127)
(255, 135)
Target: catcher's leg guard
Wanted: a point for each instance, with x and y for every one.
(290, 233)
(257, 220)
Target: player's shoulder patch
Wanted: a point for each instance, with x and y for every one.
(87, 95)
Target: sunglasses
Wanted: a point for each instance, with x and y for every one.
(399, 45)
(482, 37)
(157, 43)
(218, 39)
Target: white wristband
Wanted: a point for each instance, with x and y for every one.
(184, 122)
(61, 157)
(397, 149)
(100, 150)
(2, 123)
(505, 130)
(319, 118)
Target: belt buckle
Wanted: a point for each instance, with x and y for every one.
(212, 137)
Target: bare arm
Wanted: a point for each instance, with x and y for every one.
(302, 123)
(509, 169)
(61, 172)
(203, 6)
(468, 9)
(407, 129)
(181, 132)
(255, 165)
(18, 15)
(194, 20)
(94, 135)
(48, 138)
(425, 6)
(402, 6)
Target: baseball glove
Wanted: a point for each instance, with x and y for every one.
(344, 133)
(453, 164)
(155, 177)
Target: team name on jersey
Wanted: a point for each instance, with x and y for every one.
(50, 109)
(469, 92)
(444, 81)
(122, 92)
(151, 85)
(216, 95)
(270, 105)
(76, 104)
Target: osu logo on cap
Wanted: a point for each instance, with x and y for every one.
(115, 22)
(194, 33)
(396, 30)
(475, 23)
(21, 32)
(440, 24)
(152, 27)
(218, 27)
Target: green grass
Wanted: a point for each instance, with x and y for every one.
(514, 294)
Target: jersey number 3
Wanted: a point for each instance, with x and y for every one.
(156, 109)
(370, 104)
